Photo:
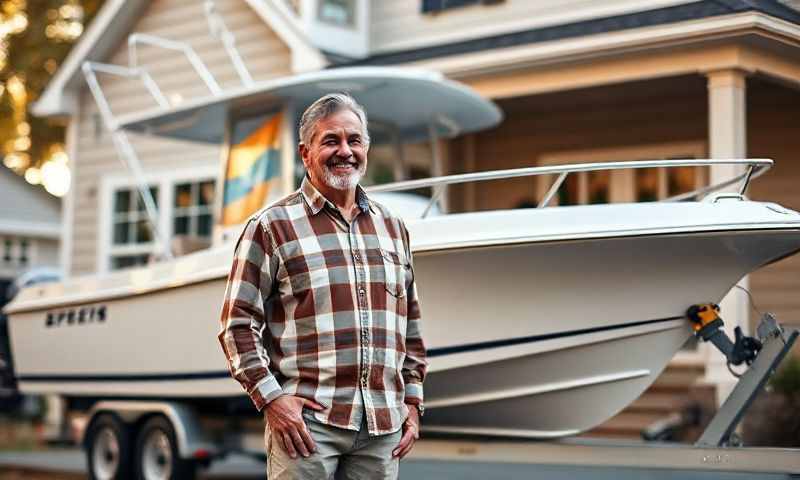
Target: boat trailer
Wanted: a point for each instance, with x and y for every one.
(762, 355)
(718, 453)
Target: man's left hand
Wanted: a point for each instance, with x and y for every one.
(410, 433)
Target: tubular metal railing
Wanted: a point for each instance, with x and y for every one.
(755, 167)
(135, 69)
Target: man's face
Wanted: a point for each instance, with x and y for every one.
(337, 154)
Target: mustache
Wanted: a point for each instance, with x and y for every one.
(337, 160)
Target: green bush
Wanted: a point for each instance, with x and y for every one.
(787, 379)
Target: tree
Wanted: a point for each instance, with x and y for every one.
(35, 37)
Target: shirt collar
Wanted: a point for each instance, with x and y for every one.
(316, 201)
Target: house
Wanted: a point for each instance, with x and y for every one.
(577, 81)
(30, 229)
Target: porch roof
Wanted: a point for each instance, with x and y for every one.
(647, 18)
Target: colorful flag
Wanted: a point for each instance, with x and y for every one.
(254, 168)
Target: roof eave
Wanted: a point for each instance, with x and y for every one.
(115, 20)
(48, 230)
(593, 46)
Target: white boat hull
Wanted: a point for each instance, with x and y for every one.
(541, 338)
(553, 325)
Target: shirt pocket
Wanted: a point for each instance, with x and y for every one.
(397, 273)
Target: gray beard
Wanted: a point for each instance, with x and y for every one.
(339, 182)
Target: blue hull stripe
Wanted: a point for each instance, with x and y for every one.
(436, 352)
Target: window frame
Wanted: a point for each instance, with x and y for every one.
(165, 181)
(195, 210)
(688, 149)
(14, 265)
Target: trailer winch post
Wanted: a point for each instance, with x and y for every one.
(762, 355)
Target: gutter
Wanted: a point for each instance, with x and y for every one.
(33, 229)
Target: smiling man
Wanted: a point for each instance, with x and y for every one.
(321, 323)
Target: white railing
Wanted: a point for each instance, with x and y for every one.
(755, 168)
(135, 69)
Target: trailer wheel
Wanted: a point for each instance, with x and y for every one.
(157, 456)
(108, 449)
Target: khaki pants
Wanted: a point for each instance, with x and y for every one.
(341, 454)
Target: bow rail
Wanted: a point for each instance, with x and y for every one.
(755, 168)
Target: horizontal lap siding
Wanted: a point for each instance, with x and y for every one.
(773, 133)
(20, 202)
(400, 24)
(183, 20)
(641, 113)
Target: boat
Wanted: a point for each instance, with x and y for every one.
(539, 322)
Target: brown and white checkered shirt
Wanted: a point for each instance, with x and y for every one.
(327, 310)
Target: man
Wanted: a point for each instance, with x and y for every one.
(321, 323)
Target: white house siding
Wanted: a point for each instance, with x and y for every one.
(28, 216)
(401, 25)
(772, 133)
(181, 20)
(21, 202)
(46, 253)
(604, 118)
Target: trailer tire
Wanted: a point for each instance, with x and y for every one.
(157, 456)
(108, 449)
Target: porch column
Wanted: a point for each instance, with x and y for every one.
(727, 138)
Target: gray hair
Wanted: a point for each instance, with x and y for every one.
(326, 106)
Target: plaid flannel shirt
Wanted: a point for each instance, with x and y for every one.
(326, 310)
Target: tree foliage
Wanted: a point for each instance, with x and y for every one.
(35, 37)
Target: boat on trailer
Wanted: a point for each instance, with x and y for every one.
(539, 322)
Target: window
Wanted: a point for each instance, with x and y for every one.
(341, 13)
(23, 252)
(653, 184)
(7, 246)
(15, 252)
(582, 188)
(632, 185)
(184, 216)
(432, 6)
(132, 236)
(192, 209)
